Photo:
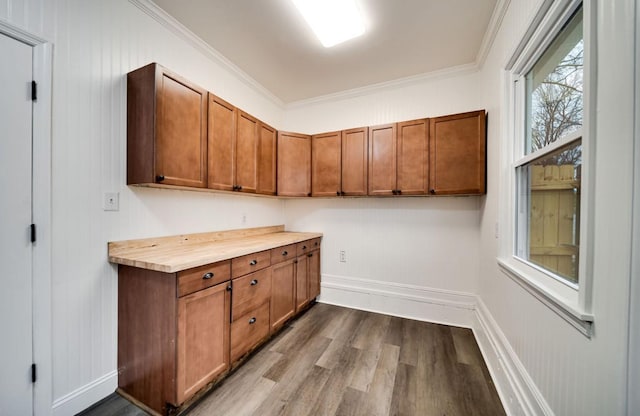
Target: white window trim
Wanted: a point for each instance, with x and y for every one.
(570, 302)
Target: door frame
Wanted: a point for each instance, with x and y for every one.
(41, 202)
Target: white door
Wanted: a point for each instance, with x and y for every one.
(16, 309)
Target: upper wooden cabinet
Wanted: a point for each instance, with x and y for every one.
(398, 163)
(166, 129)
(458, 154)
(267, 157)
(221, 145)
(354, 161)
(326, 164)
(382, 159)
(413, 161)
(233, 147)
(339, 163)
(294, 164)
(246, 153)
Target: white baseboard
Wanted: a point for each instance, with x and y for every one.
(406, 301)
(85, 396)
(518, 393)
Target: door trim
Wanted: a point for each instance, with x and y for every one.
(41, 200)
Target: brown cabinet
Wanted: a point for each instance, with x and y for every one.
(354, 161)
(203, 339)
(294, 164)
(382, 159)
(339, 163)
(314, 274)
(221, 144)
(282, 293)
(246, 153)
(166, 129)
(267, 159)
(233, 147)
(326, 164)
(458, 154)
(398, 158)
(170, 346)
(180, 333)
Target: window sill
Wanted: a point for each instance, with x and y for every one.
(567, 310)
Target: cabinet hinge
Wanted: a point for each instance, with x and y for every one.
(33, 373)
(34, 91)
(32, 233)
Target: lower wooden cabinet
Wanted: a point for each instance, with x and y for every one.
(203, 339)
(180, 332)
(302, 282)
(314, 273)
(170, 347)
(282, 293)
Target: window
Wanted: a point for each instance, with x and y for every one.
(548, 173)
(547, 180)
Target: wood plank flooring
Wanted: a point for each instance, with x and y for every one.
(340, 361)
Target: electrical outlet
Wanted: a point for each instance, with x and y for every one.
(497, 230)
(343, 256)
(111, 201)
(244, 218)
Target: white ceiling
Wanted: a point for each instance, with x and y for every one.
(268, 40)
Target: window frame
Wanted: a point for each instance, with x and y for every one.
(572, 302)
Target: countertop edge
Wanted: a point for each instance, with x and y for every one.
(146, 261)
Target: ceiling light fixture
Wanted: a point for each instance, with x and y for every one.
(333, 21)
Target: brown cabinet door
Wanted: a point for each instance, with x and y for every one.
(203, 339)
(267, 154)
(326, 160)
(250, 291)
(181, 132)
(222, 133)
(282, 293)
(354, 161)
(302, 282)
(457, 154)
(412, 157)
(382, 160)
(294, 164)
(313, 274)
(246, 153)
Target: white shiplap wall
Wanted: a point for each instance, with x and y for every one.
(95, 44)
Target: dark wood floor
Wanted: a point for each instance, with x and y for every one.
(339, 361)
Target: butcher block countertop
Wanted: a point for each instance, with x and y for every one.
(181, 252)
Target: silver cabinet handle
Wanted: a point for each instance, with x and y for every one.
(207, 276)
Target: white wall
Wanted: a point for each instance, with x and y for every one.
(95, 44)
(575, 375)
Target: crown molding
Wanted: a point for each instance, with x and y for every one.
(169, 22)
(387, 85)
(499, 11)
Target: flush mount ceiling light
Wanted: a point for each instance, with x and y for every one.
(333, 21)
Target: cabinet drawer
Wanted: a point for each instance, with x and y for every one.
(250, 263)
(307, 246)
(248, 330)
(199, 278)
(283, 253)
(250, 291)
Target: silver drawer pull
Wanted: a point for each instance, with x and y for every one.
(252, 321)
(207, 276)
(254, 282)
(253, 262)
